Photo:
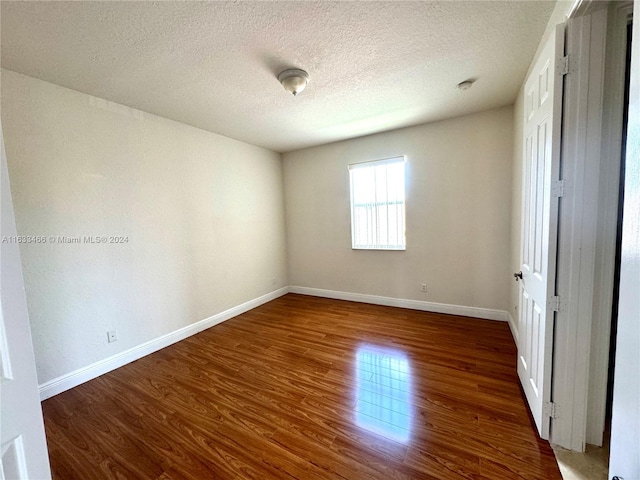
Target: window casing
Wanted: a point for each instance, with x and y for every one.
(378, 204)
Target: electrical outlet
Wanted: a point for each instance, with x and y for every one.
(112, 336)
(423, 287)
(273, 281)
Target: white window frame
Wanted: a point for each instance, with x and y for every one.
(378, 244)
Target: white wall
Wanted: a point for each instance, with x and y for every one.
(203, 215)
(458, 214)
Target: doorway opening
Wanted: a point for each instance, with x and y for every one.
(609, 54)
(616, 275)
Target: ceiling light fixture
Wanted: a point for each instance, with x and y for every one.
(294, 80)
(466, 85)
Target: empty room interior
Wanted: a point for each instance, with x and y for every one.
(320, 240)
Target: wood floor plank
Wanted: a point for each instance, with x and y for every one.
(308, 388)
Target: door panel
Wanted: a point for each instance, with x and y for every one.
(23, 449)
(543, 108)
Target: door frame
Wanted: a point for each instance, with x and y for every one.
(613, 108)
(586, 256)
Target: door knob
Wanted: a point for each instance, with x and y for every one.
(518, 276)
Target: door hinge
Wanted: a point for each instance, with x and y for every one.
(550, 410)
(556, 303)
(557, 188)
(562, 65)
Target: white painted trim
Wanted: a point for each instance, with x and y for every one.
(581, 8)
(476, 312)
(81, 375)
(514, 327)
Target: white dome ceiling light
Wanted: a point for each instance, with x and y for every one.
(294, 80)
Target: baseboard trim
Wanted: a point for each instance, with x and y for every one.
(81, 375)
(514, 329)
(476, 312)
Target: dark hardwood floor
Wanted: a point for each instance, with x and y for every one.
(308, 388)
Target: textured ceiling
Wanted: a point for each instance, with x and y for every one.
(374, 66)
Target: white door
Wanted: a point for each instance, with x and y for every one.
(625, 422)
(541, 139)
(23, 444)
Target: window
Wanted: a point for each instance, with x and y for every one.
(377, 205)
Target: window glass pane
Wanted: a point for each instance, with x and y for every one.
(377, 204)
